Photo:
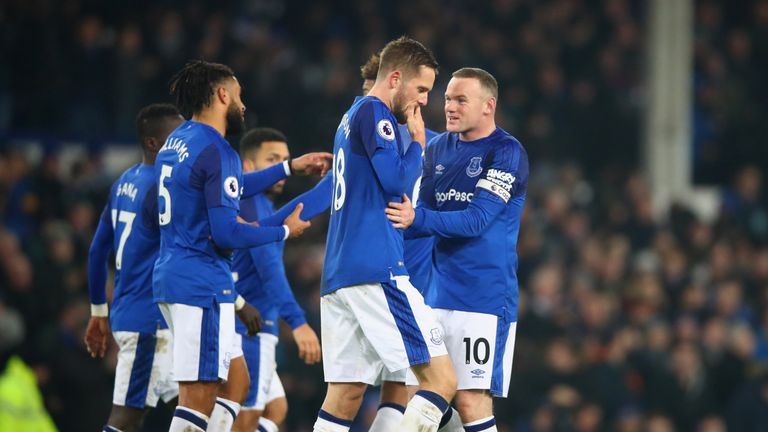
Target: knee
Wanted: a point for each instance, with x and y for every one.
(353, 395)
(126, 419)
(343, 400)
(277, 410)
(394, 392)
(474, 404)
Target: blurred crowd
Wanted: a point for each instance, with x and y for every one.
(730, 92)
(627, 323)
(570, 70)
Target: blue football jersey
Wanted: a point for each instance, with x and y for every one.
(417, 251)
(196, 169)
(133, 213)
(362, 246)
(478, 273)
(260, 276)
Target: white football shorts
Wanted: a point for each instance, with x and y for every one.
(369, 328)
(204, 340)
(481, 347)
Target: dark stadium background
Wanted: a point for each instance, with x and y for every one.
(634, 317)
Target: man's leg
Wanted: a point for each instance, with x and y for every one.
(124, 419)
(274, 415)
(196, 401)
(451, 421)
(394, 398)
(198, 362)
(232, 392)
(342, 401)
(476, 409)
(136, 377)
(230, 398)
(422, 335)
(277, 406)
(481, 346)
(349, 359)
(437, 383)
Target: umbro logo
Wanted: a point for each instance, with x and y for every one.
(439, 169)
(478, 373)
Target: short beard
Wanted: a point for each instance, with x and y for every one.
(235, 121)
(398, 107)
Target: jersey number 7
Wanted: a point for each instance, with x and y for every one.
(127, 218)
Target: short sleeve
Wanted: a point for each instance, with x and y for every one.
(506, 173)
(219, 176)
(376, 127)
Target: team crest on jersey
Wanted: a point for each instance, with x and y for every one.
(437, 336)
(231, 187)
(474, 168)
(386, 130)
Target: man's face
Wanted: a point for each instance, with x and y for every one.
(413, 89)
(235, 109)
(270, 153)
(465, 101)
(367, 86)
(168, 125)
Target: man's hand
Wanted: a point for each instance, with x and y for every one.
(312, 163)
(96, 336)
(308, 344)
(416, 124)
(401, 214)
(294, 222)
(251, 317)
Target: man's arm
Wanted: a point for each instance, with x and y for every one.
(222, 199)
(311, 163)
(394, 172)
(98, 256)
(258, 181)
(98, 326)
(493, 191)
(379, 138)
(316, 201)
(470, 222)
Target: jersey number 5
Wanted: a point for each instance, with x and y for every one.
(127, 218)
(165, 216)
(339, 185)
